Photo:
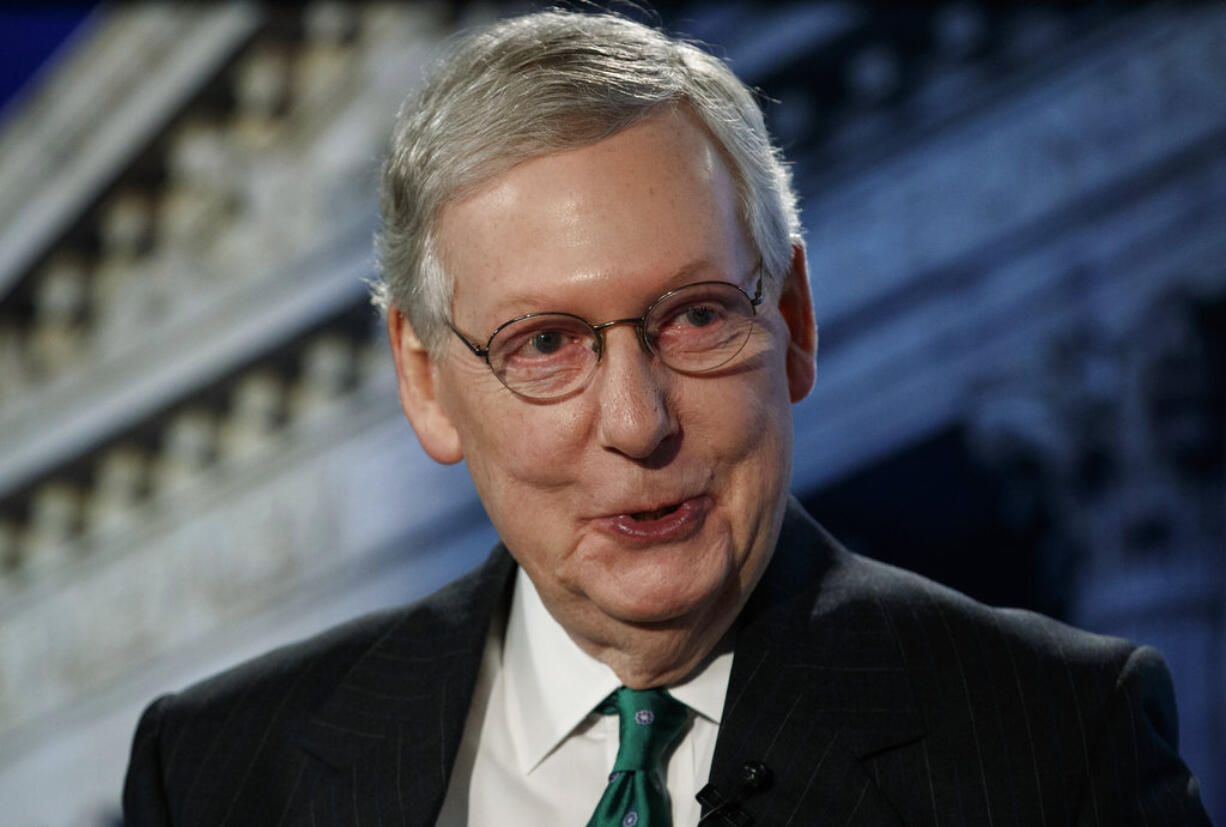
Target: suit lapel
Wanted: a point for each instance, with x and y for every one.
(817, 689)
(390, 732)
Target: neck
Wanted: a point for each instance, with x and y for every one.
(644, 657)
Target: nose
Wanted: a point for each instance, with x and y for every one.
(635, 415)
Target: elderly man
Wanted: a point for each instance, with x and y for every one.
(597, 296)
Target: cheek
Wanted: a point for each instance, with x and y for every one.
(526, 471)
(742, 419)
(748, 431)
(520, 450)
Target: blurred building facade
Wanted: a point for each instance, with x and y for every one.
(1014, 219)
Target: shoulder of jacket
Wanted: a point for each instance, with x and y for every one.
(914, 604)
(314, 666)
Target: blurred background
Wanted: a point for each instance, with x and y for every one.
(1015, 218)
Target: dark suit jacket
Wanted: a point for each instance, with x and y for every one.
(875, 697)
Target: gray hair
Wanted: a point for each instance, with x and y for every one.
(545, 82)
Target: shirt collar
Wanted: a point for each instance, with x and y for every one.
(551, 685)
(705, 689)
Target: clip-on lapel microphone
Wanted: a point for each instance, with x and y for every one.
(755, 777)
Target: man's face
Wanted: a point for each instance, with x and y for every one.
(646, 506)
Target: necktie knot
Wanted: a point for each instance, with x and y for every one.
(649, 722)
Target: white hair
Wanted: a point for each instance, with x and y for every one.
(545, 82)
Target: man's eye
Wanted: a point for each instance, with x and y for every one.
(544, 344)
(547, 342)
(700, 316)
(694, 316)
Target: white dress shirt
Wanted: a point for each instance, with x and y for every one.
(534, 752)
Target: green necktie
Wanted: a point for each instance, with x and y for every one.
(649, 722)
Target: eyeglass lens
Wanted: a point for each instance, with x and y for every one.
(697, 328)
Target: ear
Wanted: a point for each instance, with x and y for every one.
(796, 307)
(417, 376)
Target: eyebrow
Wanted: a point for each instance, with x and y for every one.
(515, 305)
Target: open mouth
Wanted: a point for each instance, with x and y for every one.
(667, 524)
(647, 516)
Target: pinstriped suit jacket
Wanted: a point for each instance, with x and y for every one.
(875, 696)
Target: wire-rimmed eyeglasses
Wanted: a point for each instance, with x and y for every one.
(694, 329)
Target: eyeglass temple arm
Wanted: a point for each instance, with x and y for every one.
(478, 351)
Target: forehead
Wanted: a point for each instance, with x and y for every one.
(636, 210)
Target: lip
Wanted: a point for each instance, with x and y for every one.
(680, 524)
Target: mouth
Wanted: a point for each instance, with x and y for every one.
(648, 516)
(669, 523)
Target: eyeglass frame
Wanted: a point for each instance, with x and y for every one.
(639, 322)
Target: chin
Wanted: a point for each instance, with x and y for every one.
(670, 608)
